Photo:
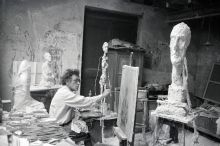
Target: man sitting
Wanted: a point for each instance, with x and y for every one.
(66, 101)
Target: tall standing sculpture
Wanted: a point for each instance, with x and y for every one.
(103, 83)
(103, 78)
(178, 105)
(22, 97)
(178, 97)
(179, 41)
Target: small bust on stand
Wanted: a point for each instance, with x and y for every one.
(47, 77)
(178, 90)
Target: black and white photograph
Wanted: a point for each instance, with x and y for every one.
(109, 73)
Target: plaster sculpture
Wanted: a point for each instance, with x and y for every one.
(178, 105)
(47, 77)
(22, 97)
(179, 41)
(104, 77)
(103, 82)
(178, 90)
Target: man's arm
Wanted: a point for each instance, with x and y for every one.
(78, 101)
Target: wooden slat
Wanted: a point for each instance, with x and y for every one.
(119, 133)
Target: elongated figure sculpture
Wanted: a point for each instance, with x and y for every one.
(178, 102)
(179, 41)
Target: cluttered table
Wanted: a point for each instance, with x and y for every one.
(24, 129)
(37, 128)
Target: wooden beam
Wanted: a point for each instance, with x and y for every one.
(121, 136)
(193, 17)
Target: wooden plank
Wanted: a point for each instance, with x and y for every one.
(212, 89)
(119, 133)
(127, 100)
(34, 72)
(185, 120)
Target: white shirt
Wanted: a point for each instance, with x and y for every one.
(65, 101)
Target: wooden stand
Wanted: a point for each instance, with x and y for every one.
(174, 122)
(143, 125)
(121, 136)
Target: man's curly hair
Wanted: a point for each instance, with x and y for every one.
(68, 74)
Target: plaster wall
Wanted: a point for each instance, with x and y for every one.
(158, 65)
(206, 56)
(29, 27)
(200, 57)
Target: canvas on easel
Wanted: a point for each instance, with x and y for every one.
(127, 101)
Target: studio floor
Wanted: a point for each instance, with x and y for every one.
(139, 140)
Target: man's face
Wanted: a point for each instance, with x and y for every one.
(73, 83)
(177, 47)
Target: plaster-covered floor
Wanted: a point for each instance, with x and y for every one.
(203, 141)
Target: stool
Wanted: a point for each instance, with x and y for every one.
(144, 118)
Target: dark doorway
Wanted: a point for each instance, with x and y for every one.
(101, 26)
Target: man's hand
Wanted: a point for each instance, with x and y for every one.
(106, 93)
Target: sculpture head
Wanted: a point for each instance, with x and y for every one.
(24, 66)
(47, 57)
(105, 47)
(179, 41)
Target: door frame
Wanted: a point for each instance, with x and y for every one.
(101, 10)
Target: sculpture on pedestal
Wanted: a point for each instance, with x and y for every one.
(103, 83)
(178, 102)
(178, 105)
(179, 41)
(48, 77)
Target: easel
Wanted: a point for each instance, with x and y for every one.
(127, 97)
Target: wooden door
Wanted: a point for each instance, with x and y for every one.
(101, 26)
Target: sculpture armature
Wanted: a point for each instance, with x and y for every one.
(48, 77)
(178, 90)
(22, 97)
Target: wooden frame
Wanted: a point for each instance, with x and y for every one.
(209, 82)
(127, 101)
